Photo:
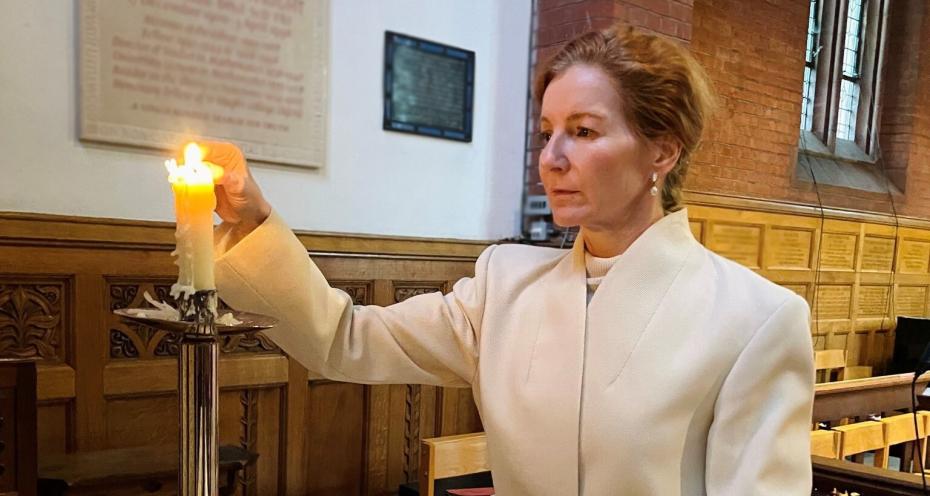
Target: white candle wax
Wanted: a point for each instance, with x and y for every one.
(194, 202)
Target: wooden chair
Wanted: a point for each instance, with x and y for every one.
(899, 429)
(451, 456)
(825, 443)
(826, 361)
(855, 372)
(863, 437)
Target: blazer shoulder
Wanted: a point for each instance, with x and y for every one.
(515, 256)
(759, 293)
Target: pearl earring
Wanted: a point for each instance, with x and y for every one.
(655, 190)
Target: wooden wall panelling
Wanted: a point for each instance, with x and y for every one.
(459, 414)
(857, 296)
(105, 384)
(94, 391)
(420, 413)
(335, 441)
(295, 413)
(18, 430)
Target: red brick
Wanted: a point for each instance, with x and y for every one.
(753, 51)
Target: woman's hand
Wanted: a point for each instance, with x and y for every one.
(239, 200)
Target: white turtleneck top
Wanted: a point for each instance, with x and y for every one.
(597, 268)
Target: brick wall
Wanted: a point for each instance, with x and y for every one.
(754, 53)
(905, 121)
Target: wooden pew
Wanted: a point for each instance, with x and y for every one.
(18, 427)
(858, 399)
(863, 437)
(855, 372)
(451, 457)
(898, 430)
(862, 397)
(828, 361)
(851, 477)
(825, 443)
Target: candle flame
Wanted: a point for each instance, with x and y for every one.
(192, 153)
(193, 171)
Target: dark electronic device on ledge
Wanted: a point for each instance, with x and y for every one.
(912, 337)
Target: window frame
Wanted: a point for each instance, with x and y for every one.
(828, 60)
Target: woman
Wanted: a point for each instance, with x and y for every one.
(636, 363)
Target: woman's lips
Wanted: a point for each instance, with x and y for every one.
(563, 192)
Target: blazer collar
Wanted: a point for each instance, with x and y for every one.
(672, 231)
(631, 293)
(569, 333)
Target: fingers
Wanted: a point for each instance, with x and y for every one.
(223, 207)
(224, 159)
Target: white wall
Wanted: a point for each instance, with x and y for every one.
(375, 181)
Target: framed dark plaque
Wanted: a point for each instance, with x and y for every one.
(428, 87)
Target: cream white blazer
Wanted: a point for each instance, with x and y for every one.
(687, 374)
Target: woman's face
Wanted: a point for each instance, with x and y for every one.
(596, 171)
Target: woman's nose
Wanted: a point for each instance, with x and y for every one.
(552, 155)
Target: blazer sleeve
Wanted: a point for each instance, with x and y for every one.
(759, 441)
(427, 339)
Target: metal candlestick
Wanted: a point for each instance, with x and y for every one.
(197, 383)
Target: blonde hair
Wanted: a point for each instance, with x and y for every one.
(664, 90)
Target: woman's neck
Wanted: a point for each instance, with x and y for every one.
(609, 242)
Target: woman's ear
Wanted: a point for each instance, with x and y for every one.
(665, 151)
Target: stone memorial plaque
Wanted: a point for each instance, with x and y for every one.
(833, 302)
(790, 248)
(872, 301)
(740, 243)
(915, 256)
(911, 301)
(428, 87)
(155, 73)
(877, 253)
(838, 251)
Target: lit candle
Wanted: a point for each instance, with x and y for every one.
(194, 202)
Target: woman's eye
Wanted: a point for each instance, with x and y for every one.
(545, 136)
(583, 132)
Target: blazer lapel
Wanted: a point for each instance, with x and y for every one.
(554, 375)
(631, 294)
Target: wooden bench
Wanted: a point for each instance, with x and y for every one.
(899, 430)
(453, 462)
(129, 471)
(855, 372)
(825, 443)
(848, 478)
(863, 437)
(828, 361)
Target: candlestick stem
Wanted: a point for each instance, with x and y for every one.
(197, 386)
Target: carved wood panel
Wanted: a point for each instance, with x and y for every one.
(414, 392)
(248, 440)
(359, 291)
(109, 384)
(131, 340)
(33, 318)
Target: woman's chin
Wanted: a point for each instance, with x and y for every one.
(565, 219)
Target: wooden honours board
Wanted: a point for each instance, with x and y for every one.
(154, 73)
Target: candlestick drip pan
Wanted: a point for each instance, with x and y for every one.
(248, 322)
